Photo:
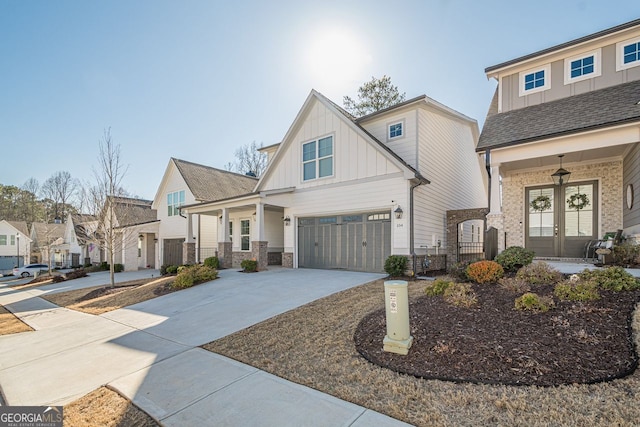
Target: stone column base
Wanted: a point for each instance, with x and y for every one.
(287, 259)
(225, 254)
(188, 253)
(259, 253)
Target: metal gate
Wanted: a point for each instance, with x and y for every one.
(172, 251)
(352, 242)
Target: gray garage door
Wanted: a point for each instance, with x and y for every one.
(351, 242)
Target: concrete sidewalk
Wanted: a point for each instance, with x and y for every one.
(148, 352)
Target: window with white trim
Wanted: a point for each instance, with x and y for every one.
(13, 240)
(535, 80)
(245, 234)
(3, 239)
(582, 67)
(231, 231)
(628, 54)
(317, 158)
(174, 201)
(396, 130)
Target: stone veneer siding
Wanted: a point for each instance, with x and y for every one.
(225, 253)
(287, 259)
(188, 253)
(608, 174)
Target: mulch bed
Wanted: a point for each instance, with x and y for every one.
(493, 343)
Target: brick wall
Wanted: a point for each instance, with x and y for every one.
(608, 174)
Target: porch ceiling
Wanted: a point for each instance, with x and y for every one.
(569, 158)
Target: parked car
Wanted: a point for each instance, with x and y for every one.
(30, 269)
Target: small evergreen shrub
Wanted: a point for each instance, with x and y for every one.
(396, 265)
(437, 287)
(611, 278)
(534, 302)
(539, 273)
(515, 257)
(249, 265)
(104, 266)
(458, 271)
(626, 254)
(194, 274)
(514, 284)
(577, 291)
(212, 262)
(485, 272)
(460, 295)
(118, 268)
(171, 269)
(75, 274)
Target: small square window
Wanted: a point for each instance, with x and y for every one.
(628, 54)
(582, 67)
(535, 80)
(395, 130)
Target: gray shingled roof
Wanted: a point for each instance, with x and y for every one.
(130, 211)
(592, 110)
(21, 226)
(45, 233)
(209, 184)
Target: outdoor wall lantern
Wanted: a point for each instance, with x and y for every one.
(561, 176)
(220, 219)
(141, 237)
(287, 220)
(398, 212)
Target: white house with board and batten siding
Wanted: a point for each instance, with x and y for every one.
(344, 192)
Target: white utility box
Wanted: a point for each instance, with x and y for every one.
(396, 300)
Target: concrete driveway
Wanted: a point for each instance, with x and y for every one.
(149, 353)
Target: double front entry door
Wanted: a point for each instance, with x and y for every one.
(561, 220)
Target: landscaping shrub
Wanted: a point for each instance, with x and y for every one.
(396, 265)
(458, 271)
(611, 278)
(626, 254)
(534, 302)
(171, 269)
(212, 262)
(515, 257)
(118, 268)
(437, 287)
(104, 266)
(539, 273)
(460, 294)
(514, 284)
(249, 265)
(75, 274)
(577, 291)
(194, 274)
(485, 272)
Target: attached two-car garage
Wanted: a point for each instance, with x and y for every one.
(360, 242)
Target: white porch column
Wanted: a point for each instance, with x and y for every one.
(495, 190)
(223, 236)
(259, 235)
(189, 238)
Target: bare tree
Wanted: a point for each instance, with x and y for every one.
(108, 187)
(61, 188)
(249, 160)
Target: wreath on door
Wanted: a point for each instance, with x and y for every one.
(578, 201)
(541, 203)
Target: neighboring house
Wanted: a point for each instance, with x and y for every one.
(346, 193)
(579, 100)
(137, 228)
(81, 242)
(44, 238)
(15, 244)
(186, 183)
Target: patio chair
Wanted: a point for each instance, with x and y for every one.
(610, 240)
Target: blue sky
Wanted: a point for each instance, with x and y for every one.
(197, 79)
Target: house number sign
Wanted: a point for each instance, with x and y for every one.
(393, 301)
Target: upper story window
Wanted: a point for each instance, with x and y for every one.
(535, 80)
(174, 201)
(3, 239)
(396, 130)
(628, 54)
(317, 158)
(13, 240)
(581, 67)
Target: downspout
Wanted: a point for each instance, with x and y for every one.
(487, 165)
(421, 180)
